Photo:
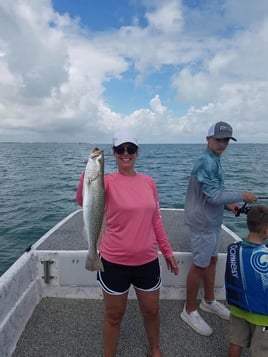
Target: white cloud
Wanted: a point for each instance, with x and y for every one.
(54, 72)
(167, 18)
(194, 87)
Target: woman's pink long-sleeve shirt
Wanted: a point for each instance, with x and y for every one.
(134, 227)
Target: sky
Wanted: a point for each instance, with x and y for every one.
(78, 70)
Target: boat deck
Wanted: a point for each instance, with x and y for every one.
(62, 327)
(69, 236)
(73, 328)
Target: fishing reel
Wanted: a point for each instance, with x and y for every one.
(246, 207)
(243, 209)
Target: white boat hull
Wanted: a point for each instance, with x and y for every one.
(27, 282)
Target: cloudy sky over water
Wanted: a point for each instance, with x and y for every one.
(76, 70)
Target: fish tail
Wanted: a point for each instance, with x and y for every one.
(94, 263)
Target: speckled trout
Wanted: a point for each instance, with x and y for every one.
(93, 206)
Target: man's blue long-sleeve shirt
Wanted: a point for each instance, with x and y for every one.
(205, 197)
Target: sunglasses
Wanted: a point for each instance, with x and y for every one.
(131, 149)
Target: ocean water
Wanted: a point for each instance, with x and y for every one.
(38, 183)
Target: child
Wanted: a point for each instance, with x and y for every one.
(246, 280)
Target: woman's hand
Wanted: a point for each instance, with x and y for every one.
(172, 265)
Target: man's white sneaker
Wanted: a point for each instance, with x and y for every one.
(215, 307)
(196, 322)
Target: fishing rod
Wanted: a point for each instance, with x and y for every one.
(246, 207)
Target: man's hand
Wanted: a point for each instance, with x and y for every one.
(233, 208)
(249, 197)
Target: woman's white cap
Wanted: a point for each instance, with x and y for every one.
(124, 135)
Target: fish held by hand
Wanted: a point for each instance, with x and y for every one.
(93, 206)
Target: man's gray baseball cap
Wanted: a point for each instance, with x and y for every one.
(221, 130)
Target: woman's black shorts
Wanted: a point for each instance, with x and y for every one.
(116, 278)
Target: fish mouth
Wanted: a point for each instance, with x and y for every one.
(96, 152)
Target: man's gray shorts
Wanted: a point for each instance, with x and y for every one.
(204, 247)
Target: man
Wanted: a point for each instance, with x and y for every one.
(205, 202)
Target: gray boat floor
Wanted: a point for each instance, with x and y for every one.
(62, 327)
(73, 327)
(69, 235)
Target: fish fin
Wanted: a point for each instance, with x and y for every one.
(92, 178)
(93, 263)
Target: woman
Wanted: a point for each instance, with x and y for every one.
(129, 245)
